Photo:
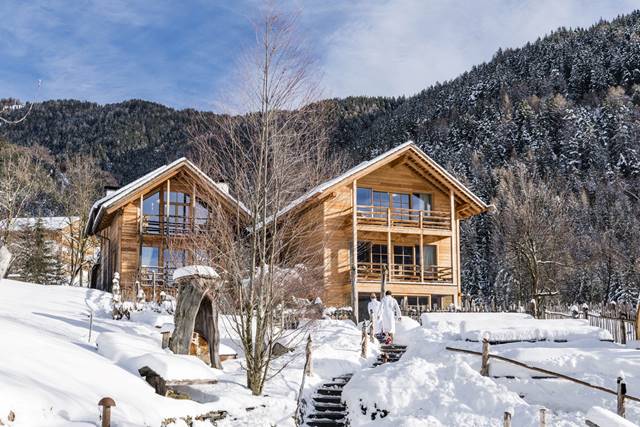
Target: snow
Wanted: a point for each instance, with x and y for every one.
(52, 375)
(603, 418)
(195, 270)
(48, 222)
(505, 327)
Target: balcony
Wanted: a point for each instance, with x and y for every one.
(174, 225)
(405, 273)
(400, 217)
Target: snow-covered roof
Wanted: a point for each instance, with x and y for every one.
(366, 164)
(48, 222)
(113, 198)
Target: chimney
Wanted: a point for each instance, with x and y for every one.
(223, 186)
(110, 189)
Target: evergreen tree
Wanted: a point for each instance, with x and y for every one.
(37, 260)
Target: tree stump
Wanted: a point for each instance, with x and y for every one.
(189, 298)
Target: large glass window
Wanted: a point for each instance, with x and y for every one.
(151, 204)
(150, 256)
(422, 202)
(379, 254)
(174, 258)
(401, 201)
(381, 199)
(403, 255)
(430, 254)
(364, 197)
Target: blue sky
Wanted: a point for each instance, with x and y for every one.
(181, 53)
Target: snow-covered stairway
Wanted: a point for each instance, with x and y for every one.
(328, 408)
(390, 353)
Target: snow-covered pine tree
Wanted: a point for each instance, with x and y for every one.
(37, 260)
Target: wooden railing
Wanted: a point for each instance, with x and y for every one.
(399, 217)
(174, 225)
(622, 329)
(405, 272)
(156, 276)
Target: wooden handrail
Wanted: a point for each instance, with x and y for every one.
(542, 370)
(407, 272)
(402, 217)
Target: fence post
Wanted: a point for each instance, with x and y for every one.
(543, 417)
(507, 419)
(90, 324)
(106, 403)
(623, 329)
(308, 368)
(622, 391)
(364, 340)
(585, 311)
(484, 370)
(153, 282)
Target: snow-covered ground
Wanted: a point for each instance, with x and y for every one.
(51, 374)
(431, 386)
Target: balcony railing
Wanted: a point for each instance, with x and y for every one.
(174, 225)
(400, 217)
(405, 272)
(160, 277)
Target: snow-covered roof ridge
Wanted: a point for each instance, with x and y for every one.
(125, 191)
(48, 222)
(364, 165)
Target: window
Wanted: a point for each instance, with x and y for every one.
(379, 254)
(174, 258)
(381, 199)
(202, 212)
(403, 255)
(363, 197)
(430, 253)
(372, 253)
(150, 256)
(422, 202)
(401, 201)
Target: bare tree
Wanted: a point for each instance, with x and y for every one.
(22, 179)
(267, 256)
(81, 183)
(533, 231)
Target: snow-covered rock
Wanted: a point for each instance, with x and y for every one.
(195, 270)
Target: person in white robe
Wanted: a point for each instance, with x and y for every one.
(389, 312)
(373, 308)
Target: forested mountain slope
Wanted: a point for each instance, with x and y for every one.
(567, 105)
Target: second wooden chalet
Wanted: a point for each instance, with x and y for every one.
(140, 226)
(397, 215)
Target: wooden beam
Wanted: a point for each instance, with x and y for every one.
(354, 248)
(454, 240)
(421, 263)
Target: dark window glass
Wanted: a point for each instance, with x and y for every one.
(403, 255)
(364, 252)
(379, 254)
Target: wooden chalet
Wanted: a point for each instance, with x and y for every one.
(400, 214)
(140, 227)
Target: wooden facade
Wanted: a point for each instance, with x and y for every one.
(397, 216)
(145, 228)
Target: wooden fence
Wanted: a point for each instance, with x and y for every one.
(622, 327)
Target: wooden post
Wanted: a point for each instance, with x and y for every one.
(623, 329)
(636, 323)
(507, 419)
(421, 263)
(308, 365)
(543, 417)
(371, 334)
(484, 370)
(389, 247)
(90, 324)
(622, 391)
(354, 250)
(453, 240)
(165, 338)
(364, 340)
(585, 311)
(106, 403)
(383, 280)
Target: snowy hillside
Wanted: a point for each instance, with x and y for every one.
(51, 375)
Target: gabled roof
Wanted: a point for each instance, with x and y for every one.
(125, 193)
(438, 172)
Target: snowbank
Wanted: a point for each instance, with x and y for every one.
(532, 330)
(173, 366)
(603, 418)
(451, 322)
